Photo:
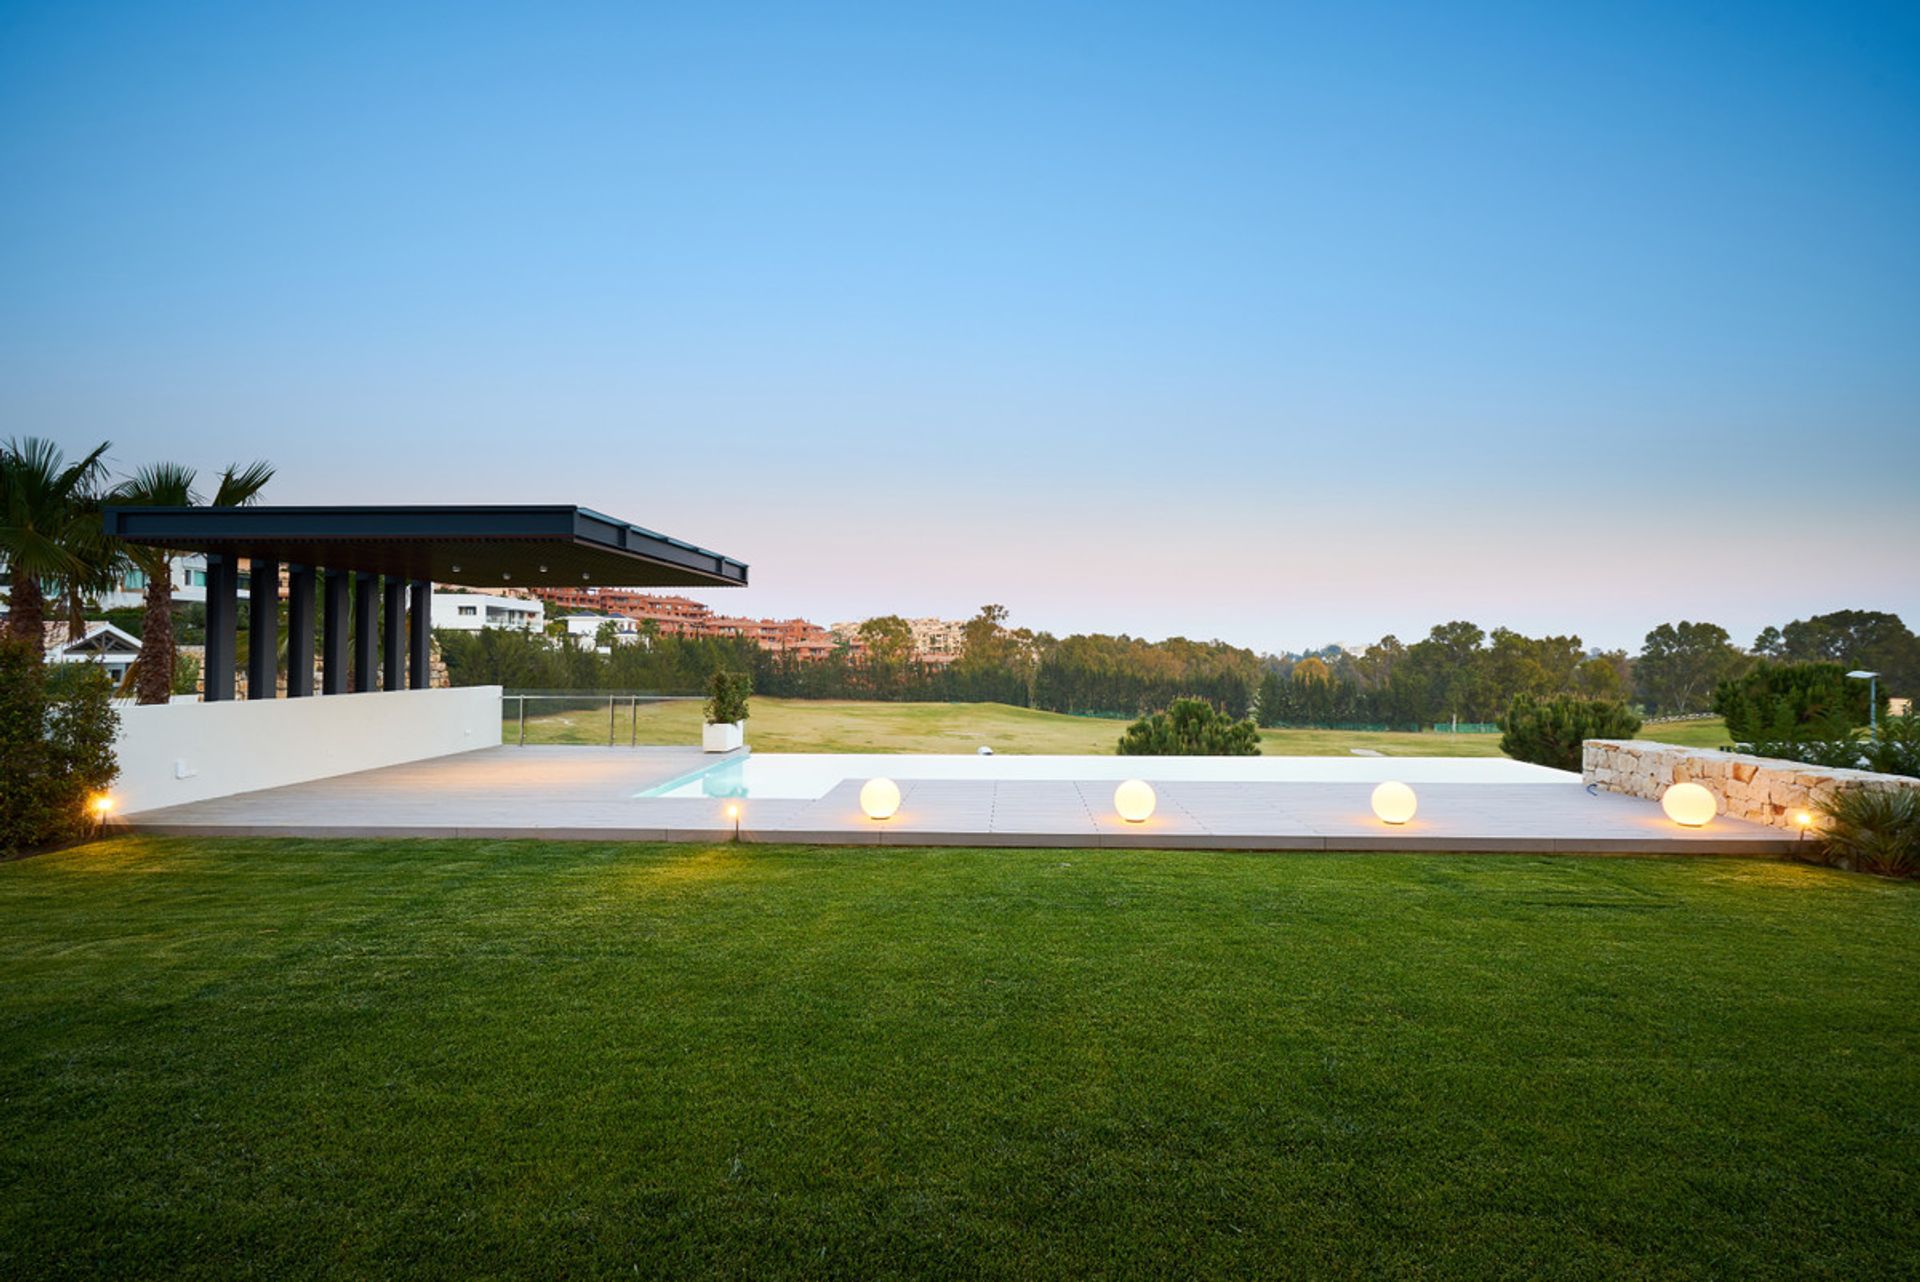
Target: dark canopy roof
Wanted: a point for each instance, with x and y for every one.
(527, 546)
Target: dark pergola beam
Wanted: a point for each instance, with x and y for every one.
(420, 636)
(263, 629)
(223, 627)
(299, 631)
(366, 629)
(335, 625)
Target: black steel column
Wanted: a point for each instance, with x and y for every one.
(420, 634)
(223, 625)
(366, 627)
(263, 629)
(333, 641)
(299, 631)
(393, 635)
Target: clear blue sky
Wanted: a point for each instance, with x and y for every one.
(1283, 324)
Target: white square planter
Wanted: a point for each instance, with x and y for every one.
(723, 736)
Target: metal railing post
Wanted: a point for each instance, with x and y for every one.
(523, 720)
(633, 721)
(612, 705)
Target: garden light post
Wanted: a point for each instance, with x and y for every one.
(1873, 696)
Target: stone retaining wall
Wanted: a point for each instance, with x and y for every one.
(1762, 789)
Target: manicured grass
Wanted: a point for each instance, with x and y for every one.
(283, 1059)
(812, 725)
(1709, 732)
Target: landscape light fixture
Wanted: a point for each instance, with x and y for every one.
(880, 798)
(1689, 805)
(1134, 800)
(1873, 696)
(733, 813)
(1803, 821)
(1394, 802)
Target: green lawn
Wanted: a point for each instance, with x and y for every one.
(838, 725)
(283, 1059)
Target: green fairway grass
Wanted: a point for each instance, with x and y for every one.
(277, 1059)
(839, 725)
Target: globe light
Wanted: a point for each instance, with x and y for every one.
(1688, 804)
(880, 798)
(1134, 800)
(1394, 802)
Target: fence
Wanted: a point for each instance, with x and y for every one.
(612, 717)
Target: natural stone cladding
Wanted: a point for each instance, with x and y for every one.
(1763, 789)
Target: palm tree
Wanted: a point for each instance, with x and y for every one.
(171, 485)
(49, 528)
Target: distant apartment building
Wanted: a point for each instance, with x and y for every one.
(189, 585)
(681, 616)
(472, 611)
(589, 626)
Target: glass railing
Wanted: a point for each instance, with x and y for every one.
(603, 719)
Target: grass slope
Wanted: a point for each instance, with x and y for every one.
(281, 1059)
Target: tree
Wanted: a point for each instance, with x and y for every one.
(983, 641)
(1190, 728)
(1870, 639)
(49, 528)
(1603, 676)
(888, 638)
(56, 747)
(607, 635)
(172, 485)
(1312, 669)
(1550, 732)
(1785, 702)
(1681, 663)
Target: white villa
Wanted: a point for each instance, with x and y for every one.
(472, 611)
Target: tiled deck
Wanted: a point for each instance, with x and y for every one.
(574, 793)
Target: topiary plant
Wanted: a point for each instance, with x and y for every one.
(727, 696)
(1190, 728)
(1550, 733)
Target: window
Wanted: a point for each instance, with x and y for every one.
(196, 578)
(135, 580)
(468, 611)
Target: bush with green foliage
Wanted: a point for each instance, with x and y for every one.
(1549, 732)
(56, 747)
(1891, 748)
(1873, 830)
(1190, 728)
(1785, 702)
(727, 697)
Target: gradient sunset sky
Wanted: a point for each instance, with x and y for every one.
(1282, 324)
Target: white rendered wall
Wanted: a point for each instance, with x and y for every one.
(241, 745)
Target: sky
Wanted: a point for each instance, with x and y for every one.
(1283, 324)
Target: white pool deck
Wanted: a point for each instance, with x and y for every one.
(591, 794)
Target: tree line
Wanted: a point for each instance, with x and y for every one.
(1458, 671)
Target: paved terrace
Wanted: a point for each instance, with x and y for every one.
(588, 794)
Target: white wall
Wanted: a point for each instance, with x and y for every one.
(238, 746)
(488, 612)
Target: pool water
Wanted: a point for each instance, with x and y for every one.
(810, 775)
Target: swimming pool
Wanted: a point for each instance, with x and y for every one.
(809, 775)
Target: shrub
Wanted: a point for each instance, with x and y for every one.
(1873, 830)
(1190, 728)
(727, 696)
(56, 747)
(1788, 702)
(1550, 733)
(1891, 749)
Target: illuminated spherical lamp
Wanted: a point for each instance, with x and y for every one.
(1134, 800)
(880, 798)
(1688, 804)
(1394, 802)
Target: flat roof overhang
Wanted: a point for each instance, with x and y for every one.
(544, 545)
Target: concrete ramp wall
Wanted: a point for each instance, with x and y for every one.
(180, 752)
